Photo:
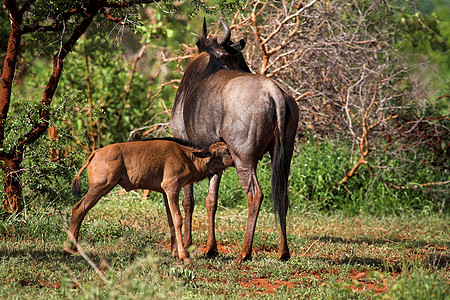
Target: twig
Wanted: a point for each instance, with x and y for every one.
(309, 248)
(403, 187)
(93, 265)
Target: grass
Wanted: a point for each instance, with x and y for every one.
(333, 256)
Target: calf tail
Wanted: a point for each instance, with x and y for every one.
(76, 183)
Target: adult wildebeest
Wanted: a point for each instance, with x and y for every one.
(162, 165)
(219, 99)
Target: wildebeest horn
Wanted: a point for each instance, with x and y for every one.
(203, 32)
(223, 40)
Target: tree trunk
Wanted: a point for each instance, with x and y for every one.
(11, 161)
(13, 186)
(10, 164)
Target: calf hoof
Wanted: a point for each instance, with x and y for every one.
(69, 251)
(174, 253)
(185, 260)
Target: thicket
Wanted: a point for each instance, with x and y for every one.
(371, 81)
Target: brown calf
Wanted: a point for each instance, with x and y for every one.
(162, 165)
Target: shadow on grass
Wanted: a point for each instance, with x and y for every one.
(55, 256)
(374, 241)
(438, 260)
(432, 261)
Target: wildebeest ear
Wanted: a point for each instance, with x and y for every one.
(239, 46)
(202, 37)
(202, 153)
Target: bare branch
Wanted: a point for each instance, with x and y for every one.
(58, 27)
(124, 4)
(111, 18)
(403, 187)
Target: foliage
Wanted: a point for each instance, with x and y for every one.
(97, 72)
(49, 165)
(319, 166)
(316, 169)
(425, 38)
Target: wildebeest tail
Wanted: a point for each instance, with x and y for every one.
(76, 183)
(286, 126)
(280, 173)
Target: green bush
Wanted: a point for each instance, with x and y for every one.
(45, 180)
(317, 169)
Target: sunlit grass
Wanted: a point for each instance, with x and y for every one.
(333, 256)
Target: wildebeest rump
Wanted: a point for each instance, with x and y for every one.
(162, 165)
(220, 100)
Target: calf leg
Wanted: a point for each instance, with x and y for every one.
(177, 222)
(188, 206)
(211, 208)
(173, 244)
(80, 210)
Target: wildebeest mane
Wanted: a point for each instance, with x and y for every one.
(181, 142)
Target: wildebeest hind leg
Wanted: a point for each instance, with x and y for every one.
(188, 206)
(249, 181)
(211, 208)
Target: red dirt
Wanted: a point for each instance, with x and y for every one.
(268, 286)
(220, 248)
(362, 285)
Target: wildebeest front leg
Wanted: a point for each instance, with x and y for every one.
(173, 240)
(188, 206)
(249, 181)
(177, 222)
(211, 208)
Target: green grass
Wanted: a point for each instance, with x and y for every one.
(334, 256)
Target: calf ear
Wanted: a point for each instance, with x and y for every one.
(202, 154)
(225, 150)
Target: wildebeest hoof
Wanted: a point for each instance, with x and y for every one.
(243, 257)
(211, 253)
(284, 257)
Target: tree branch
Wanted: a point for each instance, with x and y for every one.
(403, 187)
(9, 66)
(58, 27)
(110, 17)
(25, 6)
(52, 84)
